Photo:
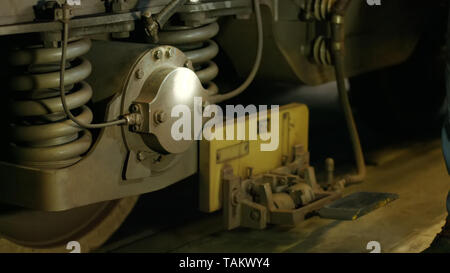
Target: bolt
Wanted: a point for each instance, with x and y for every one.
(255, 215)
(160, 117)
(58, 13)
(329, 164)
(147, 14)
(140, 73)
(157, 159)
(236, 197)
(141, 156)
(188, 64)
(170, 52)
(134, 108)
(158, 54)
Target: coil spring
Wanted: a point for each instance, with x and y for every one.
(321, 53)
(40, 133)
(196, 43)
(320, 9)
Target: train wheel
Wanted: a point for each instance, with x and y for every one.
(24, 230)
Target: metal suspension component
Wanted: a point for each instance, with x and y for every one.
(40, 134)
(319, 10)
(196, 43)
(321, 53)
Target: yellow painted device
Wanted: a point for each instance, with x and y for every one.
(245, 154)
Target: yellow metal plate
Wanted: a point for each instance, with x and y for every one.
(244, 154)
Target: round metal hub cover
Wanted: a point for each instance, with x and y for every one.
(164, 86)
(173, 92)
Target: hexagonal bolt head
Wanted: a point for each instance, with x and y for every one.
(157, 54)
(160, 117)
(140, 73)
(170, 52)
(188, 64)
(141, 156)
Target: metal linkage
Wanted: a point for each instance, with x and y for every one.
(95, 19)
(283, 196)
(155, 23)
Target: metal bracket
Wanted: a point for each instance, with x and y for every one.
(284, 196)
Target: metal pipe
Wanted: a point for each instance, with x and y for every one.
(337, 49)
(168, 11)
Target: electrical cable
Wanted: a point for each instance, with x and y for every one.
(222, 97)
(64, 41)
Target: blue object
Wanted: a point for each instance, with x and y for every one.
(446, 147)
(446, 129)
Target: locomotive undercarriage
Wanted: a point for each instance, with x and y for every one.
(90, 87)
